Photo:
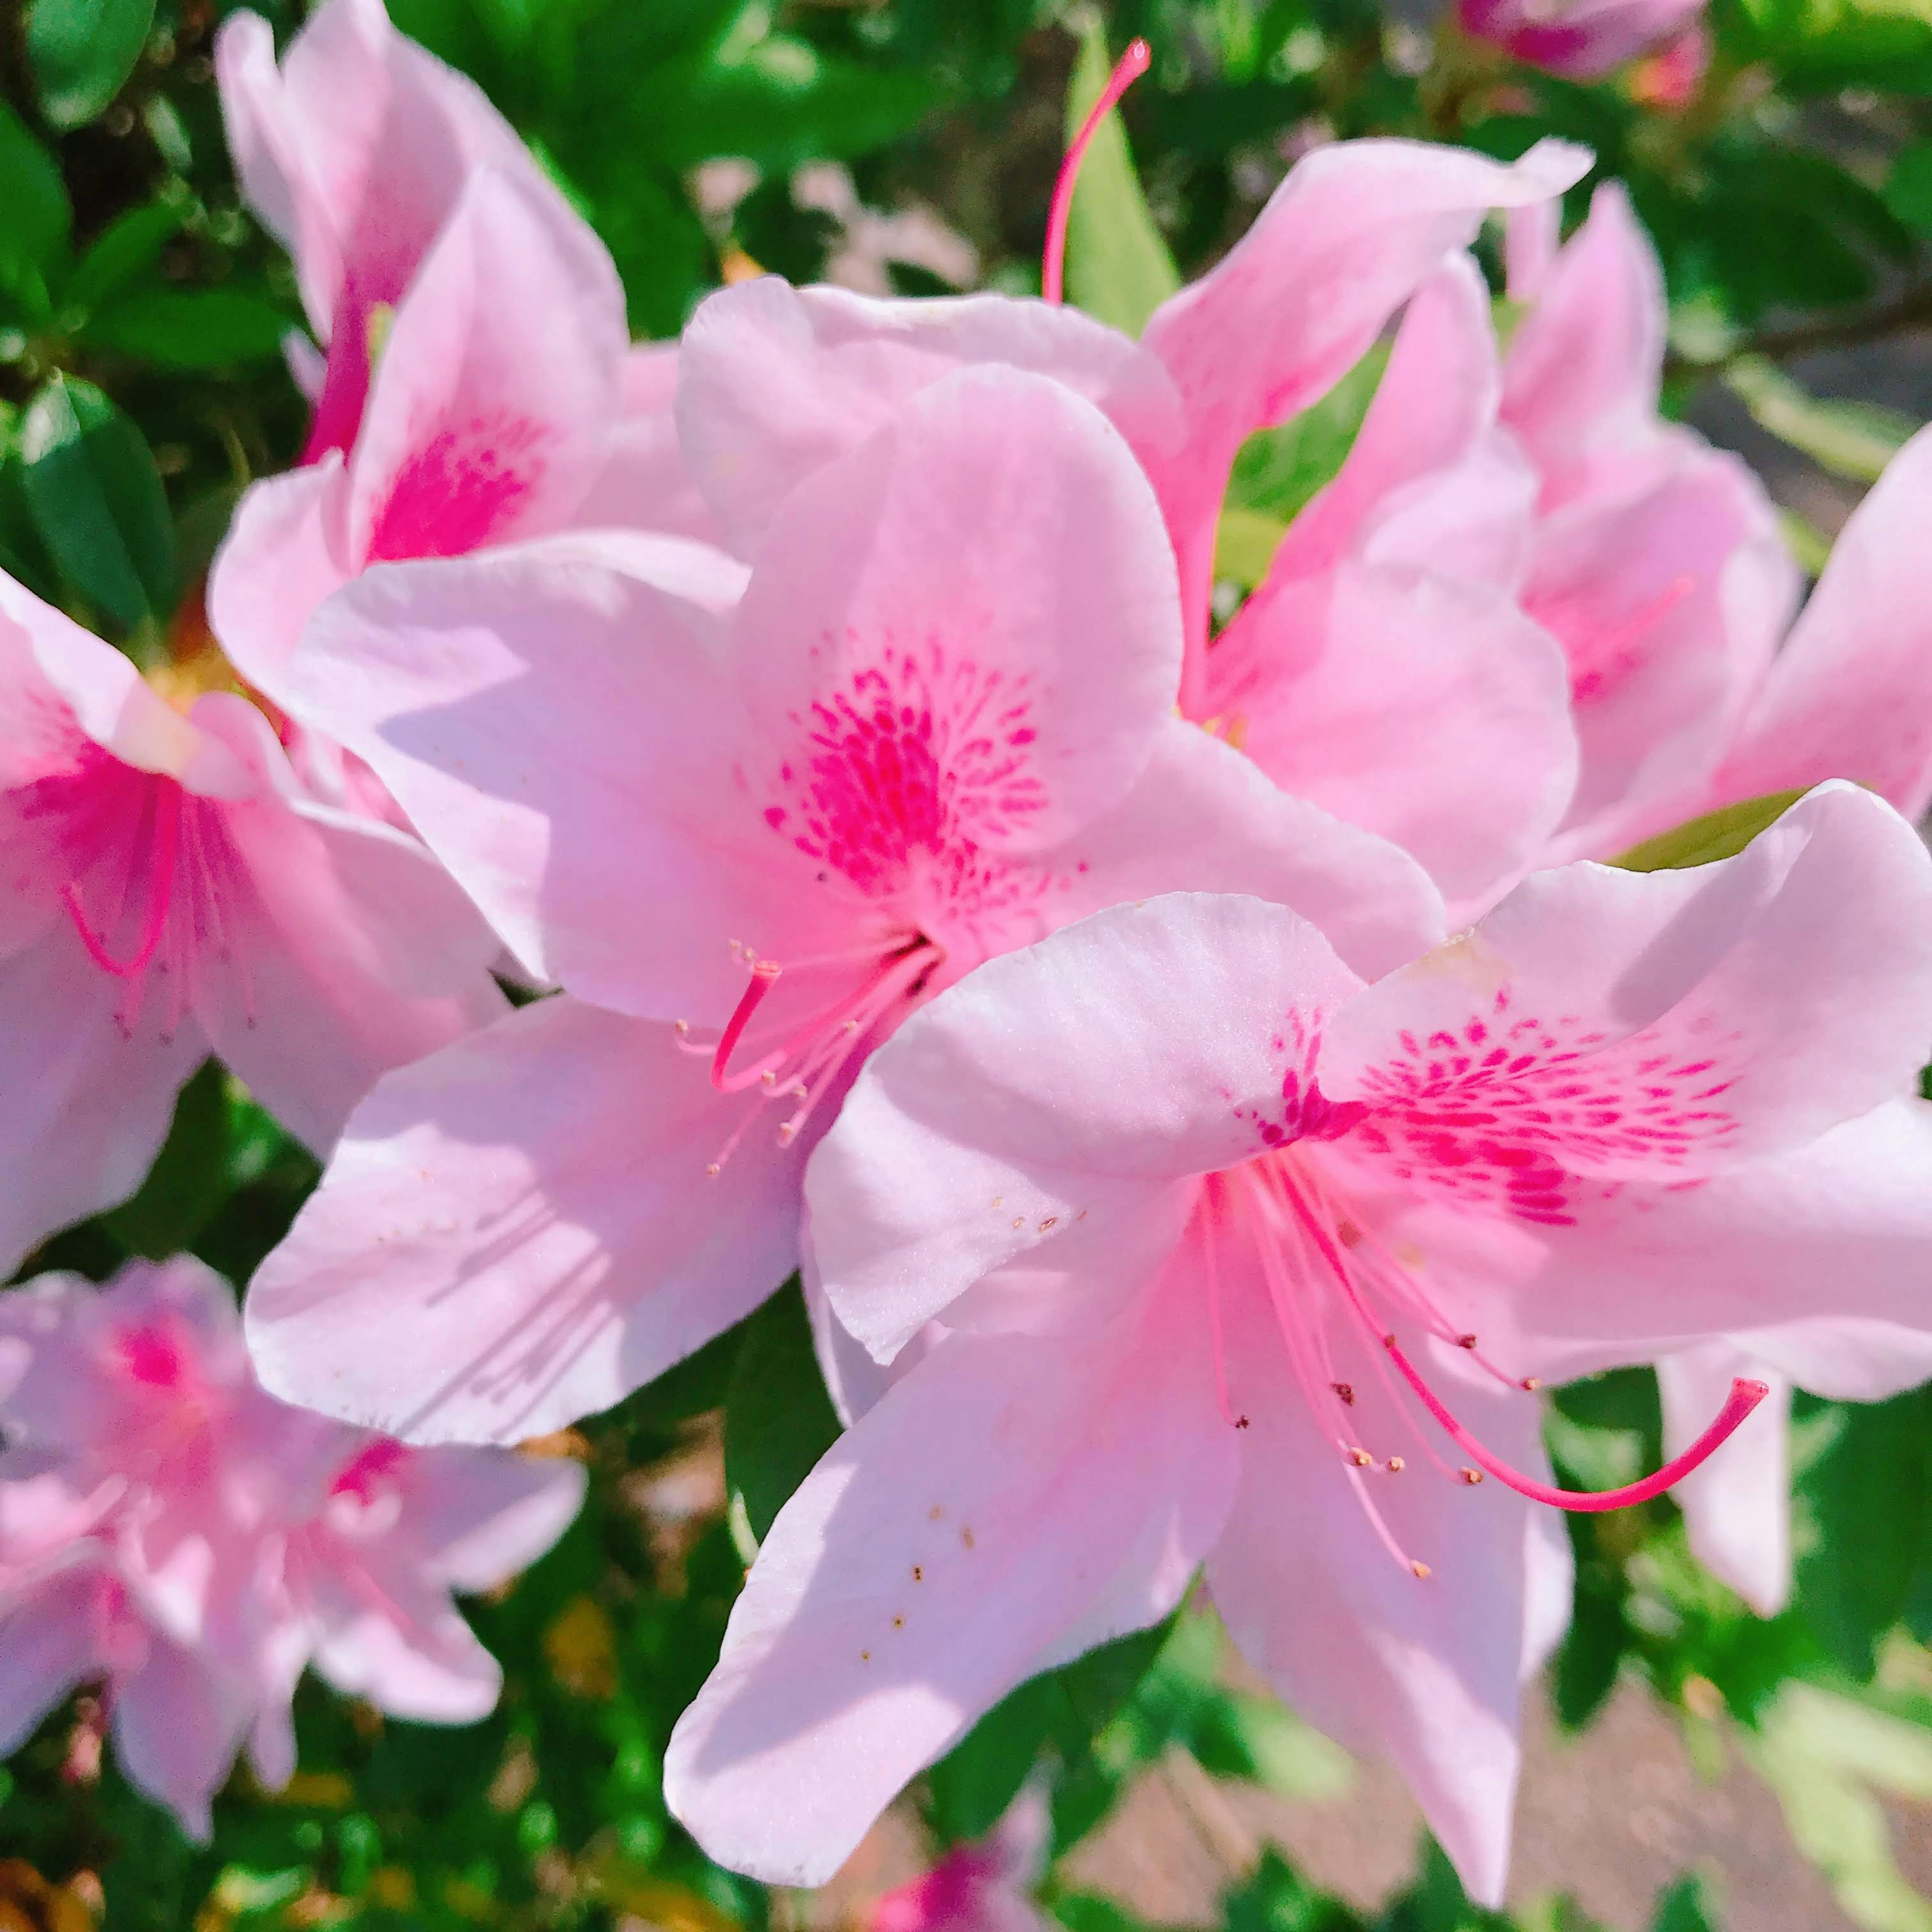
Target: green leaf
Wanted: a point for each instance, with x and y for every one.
(189, 1179)
(96, 499)
(1118, 267)
(192, 328)
(1855, 440)
(1089, 1911)
(1721, 834)
(1689, 1906)
(128, 247)
(1908, 189)
(1277, 471)
(778, 1420)
(82, 52)
(34, 236)
(1277, 1898)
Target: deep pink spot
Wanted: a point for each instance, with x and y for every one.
(460, 490)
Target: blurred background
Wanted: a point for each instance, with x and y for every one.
(1692, 1766)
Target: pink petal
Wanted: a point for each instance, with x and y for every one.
(515, 704)
(88, 1103)
(647, 484)
(1652, 1026)
(489, 414)
(1425, 1673)
(776, 382)
(277, 562)
(52, 1639)
(351, 951)
(1348, 238)
(1851, 694)
(1205, 818)
(949, 1545)
(525, 1222)
(1043, 1113)
(988, 576)
(1737, 1507)
(1586, 363)
(179, 1723)
(477, 1516)
(399, 1642)
(1436, 403)
(1668, 599)
(1427, 710)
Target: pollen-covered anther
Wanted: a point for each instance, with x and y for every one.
(1395, 1465)
(714, 1169)
(1421, 1571)
(1466, 1341)
(1471, 1477)
(1361, 1459)
(1532, 1383)
(682, 1028)
(1345, 1390)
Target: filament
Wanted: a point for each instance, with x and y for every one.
(167, 806)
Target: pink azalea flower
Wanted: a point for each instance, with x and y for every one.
(746, 836)
(1242, 1261)
(170, 1529)
(166, 891)
(480, 387)
(1580, 40)
(985, 1886)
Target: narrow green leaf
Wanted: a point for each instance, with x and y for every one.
(82, 52)
(778, 1420)
(97, 500)
(1118, 267)
(1689, 1906)
(34, 235)
(1721, 834)
(1855, 440)
(128, 247)
(192, 328)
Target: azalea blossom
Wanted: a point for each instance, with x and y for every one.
(169, 1530)
(1582, 40)
(166, 891)
(1240, 1260)
(747, 834)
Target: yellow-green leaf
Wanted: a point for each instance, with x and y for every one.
(1721, 834)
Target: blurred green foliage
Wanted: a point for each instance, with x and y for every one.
(141, 316)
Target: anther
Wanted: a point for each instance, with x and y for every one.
(1466, 1341)
(1471, 1477)
(1345, 1390)
(1361, 1459)
(1421, 1571)
(683, 1028)
(1532, 1383)
(714, 1169)
(1396, 1466)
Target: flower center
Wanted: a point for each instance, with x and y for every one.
(1326, 1272)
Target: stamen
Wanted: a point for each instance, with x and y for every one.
(167, 802)
(1134, 62)
(1210, 1266)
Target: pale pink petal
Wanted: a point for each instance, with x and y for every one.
(400, 1642)
(1584, 40)
(1737, 1507)
(990, 567)
(1475, 520)
(647, 484)
(477, 1516)
(89, 1100)
(1353, 231)
(1851, 694)
(1806, 1260)
(1205, 818)
(1428, 710)
(942, 1552)
(277, 562)
(1586, 364)
(53, 1637)
(518, 704)
(178, 1724)
(1436, 401)
(1668, 599)
(1653, 1026)
(526, 1221)
(1423, 1672)
(491, 412)
(776, 382)
(350, 951)
(1036, 1115)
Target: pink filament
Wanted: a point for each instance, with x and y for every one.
(1744, 1397)
(160, 895)
(1133, 64)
